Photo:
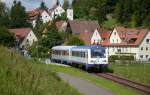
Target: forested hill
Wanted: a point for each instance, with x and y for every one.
(131, 13)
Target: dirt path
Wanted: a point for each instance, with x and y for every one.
(83, 86)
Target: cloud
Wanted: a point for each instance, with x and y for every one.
(30, 4)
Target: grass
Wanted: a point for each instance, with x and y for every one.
(136, 72)
(19, 76)
(114, 87)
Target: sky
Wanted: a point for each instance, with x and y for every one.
(32, 4)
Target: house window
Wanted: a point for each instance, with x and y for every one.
(141, 56)
(27, 40)
(114, 33)
(146, 56)
(146, 48)
(113, 40)
(147, 41)
(141, 48)
(117, 40)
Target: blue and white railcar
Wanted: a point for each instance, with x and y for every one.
(61, 53)
(90, 56)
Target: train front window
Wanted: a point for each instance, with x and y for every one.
(98, 54)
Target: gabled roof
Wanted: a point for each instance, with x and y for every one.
(79, 26)
(104, 33)
(20, 33)
(129, 37)
(35, 12)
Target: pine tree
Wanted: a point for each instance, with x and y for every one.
(66, 4)
(18, 16)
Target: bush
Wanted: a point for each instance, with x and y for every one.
(113, 58)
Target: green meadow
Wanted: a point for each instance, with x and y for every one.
(135, 72)
(19, 76)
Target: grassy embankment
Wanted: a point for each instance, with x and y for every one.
(136, 72)
(21, 77)
(114, 87)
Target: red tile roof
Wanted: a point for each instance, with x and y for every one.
(104, 33)
(129, 37)
(20, 33)
(86, 37)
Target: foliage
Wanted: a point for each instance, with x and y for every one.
(110, 24)
(6, 38)
(52, 38)
(39, 27)
(18, 16)
(74, 40)
(4, 15)
(43, 6)
(112, 58)
(62, 17)
(19, 76)
(42, 48)
(66, 4)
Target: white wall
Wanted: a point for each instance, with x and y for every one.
(70, 14)
(146, 49)
(96, 37)
(114, 38)
(45, 17)
(126, 50)
(29, 39)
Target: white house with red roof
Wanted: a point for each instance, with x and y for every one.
(127, 41)
(24, 36)
(48, 15)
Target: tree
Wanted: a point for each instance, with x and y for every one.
(2, 9)
(4, 15)
(74, 40)
(18, 16)
(66, 4)
(6, 38)
(39, 27)
(52, 38)
(43, 6)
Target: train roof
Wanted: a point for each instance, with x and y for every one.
(62, 47)
(89, 47)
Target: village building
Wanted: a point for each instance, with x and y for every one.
(82, 28)
(48, 15)
(126, 41)
(24, 37)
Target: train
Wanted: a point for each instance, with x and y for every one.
(94, 56)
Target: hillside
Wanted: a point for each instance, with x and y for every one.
(18, 76)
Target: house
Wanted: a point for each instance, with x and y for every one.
(48, 15)
(24, 36)
(127, 41)
(84, 29)
(34, 14)
(61, 25)
(100, 35)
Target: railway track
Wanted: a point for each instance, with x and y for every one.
(126, 82)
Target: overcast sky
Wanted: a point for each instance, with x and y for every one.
(30, 4)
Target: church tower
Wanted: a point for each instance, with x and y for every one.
(70, 13)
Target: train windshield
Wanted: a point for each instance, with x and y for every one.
(99, 53)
